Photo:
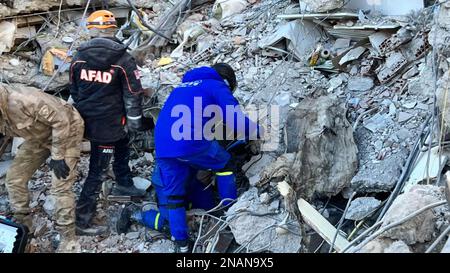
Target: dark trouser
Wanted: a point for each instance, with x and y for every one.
(101, 154)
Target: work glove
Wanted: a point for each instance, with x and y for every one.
(204, 176)
(59, 168)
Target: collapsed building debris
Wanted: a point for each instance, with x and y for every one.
(354, 91)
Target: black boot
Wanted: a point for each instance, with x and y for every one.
(126, 218)
(119, 190)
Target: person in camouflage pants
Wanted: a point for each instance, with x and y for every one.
(50, 127)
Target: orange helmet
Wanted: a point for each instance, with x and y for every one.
(101, 19)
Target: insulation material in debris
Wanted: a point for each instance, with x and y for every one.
(7, 30)
(303, 36)
(326, 155)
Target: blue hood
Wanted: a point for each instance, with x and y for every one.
(202, 73)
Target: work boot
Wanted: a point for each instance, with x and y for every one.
(69, 241)
(119, 190)
(184, 246)
(129, 214)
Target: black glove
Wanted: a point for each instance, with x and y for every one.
(59, 168)
(147, 124)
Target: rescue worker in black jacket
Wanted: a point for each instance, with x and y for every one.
(106, 89)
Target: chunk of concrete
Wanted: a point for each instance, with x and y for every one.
(385, 245)
(380, 177)
(50, 205)
(360, 83)
(362, 207)
(259, 236)
(352, 55)
(421, 227)
(323, 5)
(141, 183)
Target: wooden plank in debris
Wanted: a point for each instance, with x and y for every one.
(317, 222)
(24, 33)
(29, 21)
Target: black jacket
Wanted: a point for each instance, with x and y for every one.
(106, 89)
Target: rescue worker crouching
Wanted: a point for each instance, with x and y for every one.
(50, 127)
(179, 160)
(106, 89)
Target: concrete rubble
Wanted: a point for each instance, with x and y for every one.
(361, 207)
(355, 91)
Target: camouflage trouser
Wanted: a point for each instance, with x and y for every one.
(29, 158)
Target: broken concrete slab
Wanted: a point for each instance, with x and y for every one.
(303, 37)
(341, 44)
(377, 122)
(404, 117)
(267, 239)
(420, 228)
(352, 55)
(362, 207)
(360, 83)
(380, 177)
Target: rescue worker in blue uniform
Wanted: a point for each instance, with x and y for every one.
(179, 160)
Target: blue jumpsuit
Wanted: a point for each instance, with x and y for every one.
(178, 160)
